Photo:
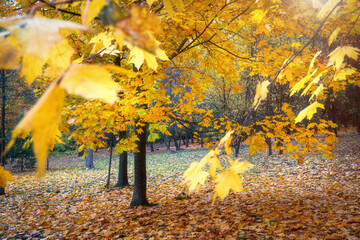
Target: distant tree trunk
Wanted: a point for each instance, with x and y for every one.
(180, 139)
(186, 138)
(90, 159)
(151, 146)
(2, 131)
(174, 138)
(123, 162)
(139, 194)
(201, 140)
(168, 143)
(111, 143)
(268, 141)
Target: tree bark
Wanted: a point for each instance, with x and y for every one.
(111, 140)
(123, 162)
(2, 131)
(174, 138)
(139, 194)
(90, 159)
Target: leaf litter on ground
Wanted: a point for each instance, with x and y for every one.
(282, 200)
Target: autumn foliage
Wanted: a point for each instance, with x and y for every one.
(112, 66)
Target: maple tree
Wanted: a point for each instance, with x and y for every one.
(199, 41)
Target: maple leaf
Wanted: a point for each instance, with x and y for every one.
(36, 35)
(333, 35)
(239, 167)
(59, 56)
(42, 121)
(309, 111)
(337, 56)
(91, 9)
(138, 55)
(138, 27)
(195, 176)
(5, 176)
(261, 93)
(226, 181)
(90, 81)
(313, 61)
(9, 57)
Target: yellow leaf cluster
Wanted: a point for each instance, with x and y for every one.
(337, 56)
(195, 175)
(309, 111)
(229, 179)
(5, 176)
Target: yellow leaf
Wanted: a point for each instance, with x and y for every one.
(60, 55)
(313, 61)
(214, 164)
(92, 10)
(8, 54)
(36, 35)
(239, 167)
(261, 93)
(195, 176)
(317, 92)
(326, 8)
(258, 15)
(102, 40)
(225, 138)
(333, 35)
(301, 83)
(314, 81)
(90, 81)
(343, 73)
(337, 56)
(5, 176)
(225, 181)
(31, 67)
(42, 121)
(138, 55)
(309, 111)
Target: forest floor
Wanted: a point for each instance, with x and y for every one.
(319, 199)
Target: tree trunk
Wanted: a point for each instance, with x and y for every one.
(174, 138)
(123, 162)
(90, 159)
(152, 147)
(2, 130)
(268, 141)
(110, 159)
(186, 138)
(139, 194)
(169, 143)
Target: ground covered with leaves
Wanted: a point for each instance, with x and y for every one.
(282, 200)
